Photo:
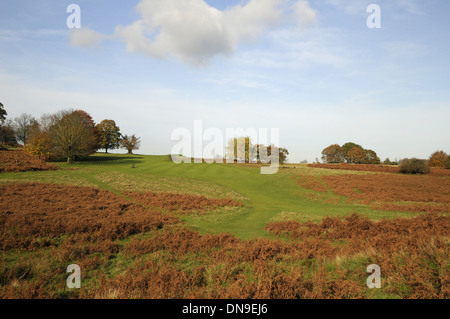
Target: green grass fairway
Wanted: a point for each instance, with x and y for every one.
(266, 198)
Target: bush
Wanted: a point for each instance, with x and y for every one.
(414, 166)
(447, 162)
(438, 159)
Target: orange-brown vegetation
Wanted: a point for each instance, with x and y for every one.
(435, 171)
(312, 183)
(359, 167)
(182, 203)
(438, 159)
(412, 252)
(385, 191)
(19, 161)
(129, 251)
(31, 211)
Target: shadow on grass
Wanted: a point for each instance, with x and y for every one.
(103, 159)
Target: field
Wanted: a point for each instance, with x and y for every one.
(162, 230)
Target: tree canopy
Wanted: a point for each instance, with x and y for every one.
(438, 159)
(351, 153)
(241, 149)
(333, 154)
(108, 135)
(22, 126)
(130, 143)
(72, 135)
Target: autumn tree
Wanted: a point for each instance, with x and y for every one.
(333, 154)
(130, 143)
(22, 126)
(108, 135)
(241, 149)
(72, 135)
(346, 149)
(438, 159)
(38, 142)
(356, 155)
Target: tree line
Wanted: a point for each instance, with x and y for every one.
(242, 149)
(69, 134)
(353, 153)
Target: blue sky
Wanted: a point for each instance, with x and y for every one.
(317, 73)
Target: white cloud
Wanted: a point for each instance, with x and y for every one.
(85, 37)
(194, 32)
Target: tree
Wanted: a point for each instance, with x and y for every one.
(438, 159)
(38, 143)
(72, 135)
(108, 135)
(333, 154)
(371, 157)
(447, 162)
(3, 113)
(22, 126)
(7, 134)
(130, 143)
(387, 161)
(347, 147)
(356, 155)
(282, 153)
(414, 166)
(241, 149)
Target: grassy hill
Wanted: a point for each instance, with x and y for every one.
(266, 198)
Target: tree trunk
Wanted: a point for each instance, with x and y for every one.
(69, 159)
(130, 152)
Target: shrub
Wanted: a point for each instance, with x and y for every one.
(447, 162)
(414, 166)
(438, 158)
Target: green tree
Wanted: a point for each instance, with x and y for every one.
(130, 143)
(371, 157)
(414, 166)
(3, 113)
(7, 134)
(333, 154)
(108, 135)
(72, 135)
(447, 162)
(282, 153)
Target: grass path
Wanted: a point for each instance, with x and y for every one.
(265, 197)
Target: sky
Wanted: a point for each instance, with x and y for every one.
(312, 69)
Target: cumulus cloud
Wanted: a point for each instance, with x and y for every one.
(85, 37)
(194, 32)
